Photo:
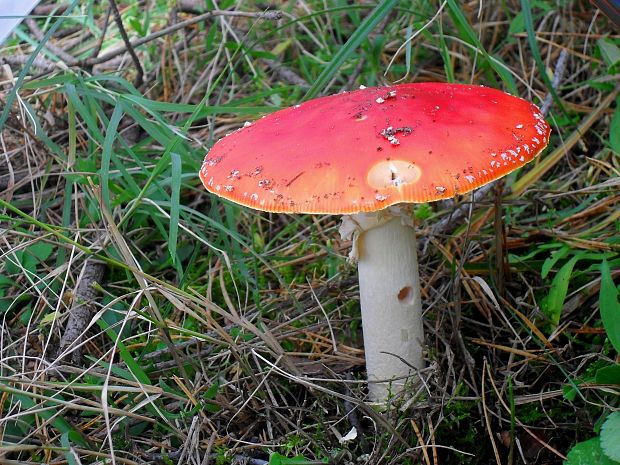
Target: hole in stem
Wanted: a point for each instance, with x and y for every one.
(405, 295)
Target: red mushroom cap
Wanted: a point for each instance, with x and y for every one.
(371, 148)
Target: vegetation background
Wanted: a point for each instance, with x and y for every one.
(145, 321)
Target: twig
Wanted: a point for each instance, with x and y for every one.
(282, 72)
(285, 74)
(104, 29)
(39, 62)
(119, 23)
(354, 420)
(451, 220)
(60, 53)
(92, 61)
(268, 15)
(194, 7)
(359, 67)
(560, 67)
(46, 10)
(487, 420)
(82, 309)
(169, 364)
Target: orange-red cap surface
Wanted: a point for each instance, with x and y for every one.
(371, 148)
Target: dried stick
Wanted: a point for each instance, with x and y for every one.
(194, 7)
(271, 15)
(41, 63)
(60, 53)
(560, 67)
(454, 218)
(285, 74)
(268, 15)
(104, 29)
(354, 420)
(82, 309)
(119, 23)
(46, 10)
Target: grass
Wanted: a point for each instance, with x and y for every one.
(225, 333)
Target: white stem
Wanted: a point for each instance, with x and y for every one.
(391, 306)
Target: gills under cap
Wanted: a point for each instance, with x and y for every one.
(365, 150)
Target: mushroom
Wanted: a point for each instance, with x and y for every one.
(368, 154)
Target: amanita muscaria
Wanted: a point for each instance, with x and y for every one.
(366, 154)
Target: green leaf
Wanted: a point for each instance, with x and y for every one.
(445, 55)
(570, 391)
(610, 54)
(608, 375)
(41, 250)
(588, 453)
(614, 128)
(202, 110)
(136, 25)
(48, 318)
(609, 305)
(13, 263)
(25, 315)
(556, 255)
(28, 258)
(66, 440)
(517, 24)
(553, 303)
(344, 52)
(610, 436)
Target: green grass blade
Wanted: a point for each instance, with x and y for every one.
(468, 34)
(207, 110)
(526, 8)
(369, 23)
(614, 129)
(12, 95)
(84, 112)
(408, 48)
(50, 413)
(106, 155)
(175, 188)
(445, 55)
(553, 303)
(609, 306)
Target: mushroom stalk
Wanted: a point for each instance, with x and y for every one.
(391, 306)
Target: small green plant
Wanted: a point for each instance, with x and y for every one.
(605, 448)
(600, 450)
